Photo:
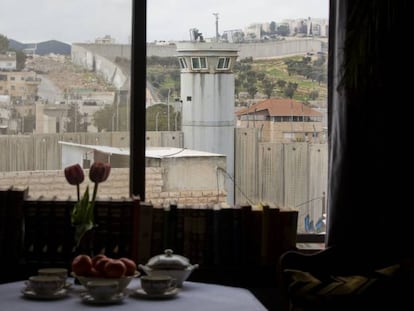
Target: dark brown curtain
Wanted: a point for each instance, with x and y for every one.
(370, 199)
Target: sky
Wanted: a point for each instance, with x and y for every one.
(73, 21)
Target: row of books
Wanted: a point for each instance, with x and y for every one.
(240, 235)
(207, 235)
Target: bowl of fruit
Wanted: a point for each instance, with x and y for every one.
(102, 267)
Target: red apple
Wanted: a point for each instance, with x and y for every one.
(95, 273)
(96, 258)
(131, 266)
(82, 264)
(100, 264)
(114, 268)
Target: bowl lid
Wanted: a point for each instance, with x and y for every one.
(168, 260)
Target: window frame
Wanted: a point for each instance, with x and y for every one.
(137, 96)
(200, 60)
(226, 61)
(183, 63)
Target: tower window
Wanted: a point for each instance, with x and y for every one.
(199, 63)
(183, 63)
(223, 63)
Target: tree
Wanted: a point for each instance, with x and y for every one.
(4, 44)
(272, 27)
(20, 60)
(157, 118)
(252, 90)
(281, 83)
(313, 95)
(76, 121)
(268, 86)
(283, 30)
(111, 118)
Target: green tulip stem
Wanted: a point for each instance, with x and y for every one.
(95, 190)
(78, 191)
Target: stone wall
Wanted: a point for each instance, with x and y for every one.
(53, 183)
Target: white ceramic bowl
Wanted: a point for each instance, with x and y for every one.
(123, 282)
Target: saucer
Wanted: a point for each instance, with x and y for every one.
(29, 293)
(87, 298)
(140, 293)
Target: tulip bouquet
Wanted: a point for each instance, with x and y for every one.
(82, 217)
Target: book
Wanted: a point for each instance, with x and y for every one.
(254, 242)
(245, 233)
(14, 230)
(188, 232)
(209, 251)
(159, 215)
(225, 234)
(179, 231)
(271, 245)
(144, 232)
(4, 192)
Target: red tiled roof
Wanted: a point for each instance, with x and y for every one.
(281, 107)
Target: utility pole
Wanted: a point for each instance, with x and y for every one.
(217, 32)
(168, 109)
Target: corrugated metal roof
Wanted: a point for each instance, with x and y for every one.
(281, 107)
(150, 152)
(104, 149)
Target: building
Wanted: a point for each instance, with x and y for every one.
(207, 94)
(50, 118)
(283, 120)
(176, 175)
(22, 86)
(8, 61)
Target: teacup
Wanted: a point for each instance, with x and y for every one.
(60, 272)
(102, 289)
(157, 284)
(45, 285)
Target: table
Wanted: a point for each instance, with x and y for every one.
(192, 296)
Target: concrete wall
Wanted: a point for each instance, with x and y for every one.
(43, 152)
(94, 57)
(260, 50)
(292, 175)
(110, 51)
(256, 50)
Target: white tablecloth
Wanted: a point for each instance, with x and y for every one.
(193, 296)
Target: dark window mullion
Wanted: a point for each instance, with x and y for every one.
(137, 99)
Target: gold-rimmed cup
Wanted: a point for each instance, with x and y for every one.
(157, 284)
(45, 285)
(59, 272)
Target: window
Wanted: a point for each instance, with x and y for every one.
(118, 115)
(60, 90)
(223, 63)
(198, 63)
(303, 188)
(183, 63)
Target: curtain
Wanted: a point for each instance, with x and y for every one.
(369, 198)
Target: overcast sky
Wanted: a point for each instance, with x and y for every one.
(85, 20)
